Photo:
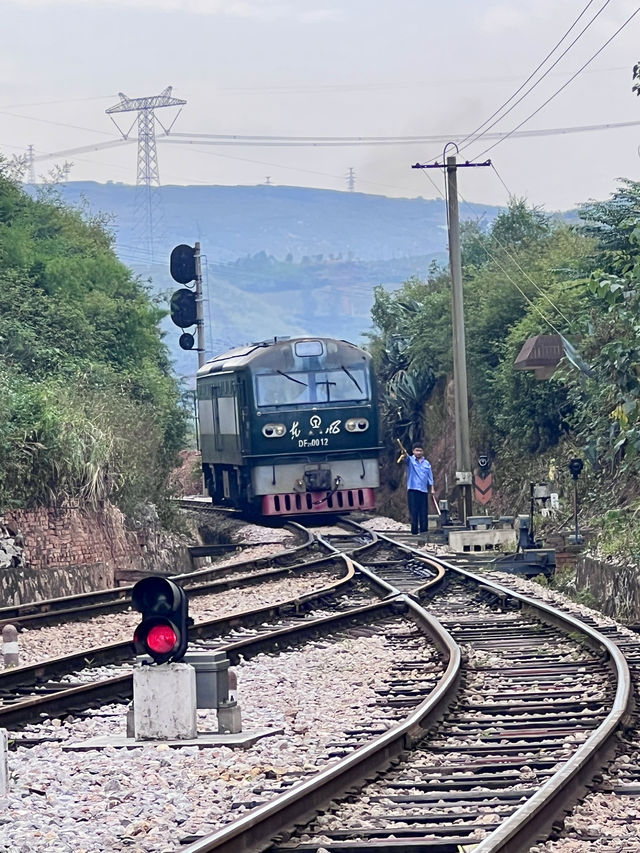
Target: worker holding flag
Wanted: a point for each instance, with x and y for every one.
(419, 485)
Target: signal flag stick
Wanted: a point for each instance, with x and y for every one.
(404, 453)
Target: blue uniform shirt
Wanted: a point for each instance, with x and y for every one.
(419, 474)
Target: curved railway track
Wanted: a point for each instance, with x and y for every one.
(27, 692)
(64, 684)
(522, 719)
(542, 696)
(55, 610)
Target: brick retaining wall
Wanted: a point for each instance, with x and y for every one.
(55, 537)
(71, 550)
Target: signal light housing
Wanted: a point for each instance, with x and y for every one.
(164, 631)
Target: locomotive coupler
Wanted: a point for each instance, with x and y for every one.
(318, 480)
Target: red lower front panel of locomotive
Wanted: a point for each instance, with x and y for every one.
(294, 503)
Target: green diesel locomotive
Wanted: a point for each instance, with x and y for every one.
(290, 427)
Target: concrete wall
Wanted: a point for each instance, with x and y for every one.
(615, 588)
(72, 550)
(19, 585)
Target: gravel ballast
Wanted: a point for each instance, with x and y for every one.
(51, 641)
(148, 798)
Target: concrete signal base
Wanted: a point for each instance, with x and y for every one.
(164, 711)
(164, 702)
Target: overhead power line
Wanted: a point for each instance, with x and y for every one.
(335, 141)
(564, 86)
(83, 149)
(498, 115)
(516, 263)
(319, 141)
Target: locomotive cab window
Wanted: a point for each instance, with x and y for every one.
(341, 384)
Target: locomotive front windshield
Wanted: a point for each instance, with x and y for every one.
(343, 384)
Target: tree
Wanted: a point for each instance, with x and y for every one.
(524, 267)
(90, 409)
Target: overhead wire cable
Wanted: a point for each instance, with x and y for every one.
(524, 295)
(507, 274)
(509, 193)
(232, 140)
(564, 86)
(56, 123)
(477, 134)
(264, 140)
(514, 259)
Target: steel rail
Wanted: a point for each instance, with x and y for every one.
(206, 505)
(34, 674)
(122, 650)
(198, 551)
(420, 589)
(522, 828)
(391, 590)
(122, 685)
(431, 560)
(248, 833)
(194, 590)
(116, 599)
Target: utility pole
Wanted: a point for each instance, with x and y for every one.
(464, 475)
(463, 447)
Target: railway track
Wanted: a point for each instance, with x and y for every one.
(95, 675)
(61, 685)
(521, 720)
(56, 610)
(541, 697)
(400, 566)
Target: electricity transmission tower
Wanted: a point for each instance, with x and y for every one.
(148, 211)
(351, 179)
(31, 174)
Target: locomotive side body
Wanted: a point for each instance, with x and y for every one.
(290, 427)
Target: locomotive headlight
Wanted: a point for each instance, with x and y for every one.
(357, 425)
(274, 430)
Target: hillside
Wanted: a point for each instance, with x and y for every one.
(280, 260)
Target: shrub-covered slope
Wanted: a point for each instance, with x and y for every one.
(88, 406)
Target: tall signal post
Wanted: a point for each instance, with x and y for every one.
(148, 209)
(464, 475)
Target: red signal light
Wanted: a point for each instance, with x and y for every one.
(164, 631)
(162, 639)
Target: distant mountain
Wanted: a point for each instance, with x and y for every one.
(280, 260)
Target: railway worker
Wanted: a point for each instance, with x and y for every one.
(419, 484)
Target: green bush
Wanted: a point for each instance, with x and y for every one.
(89, 409)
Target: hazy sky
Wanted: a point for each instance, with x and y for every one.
(328, 68)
